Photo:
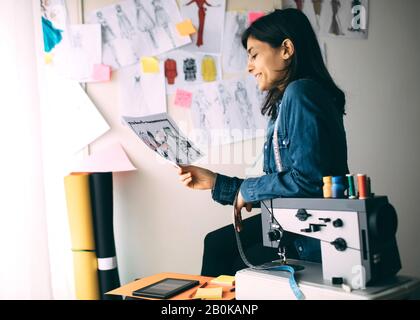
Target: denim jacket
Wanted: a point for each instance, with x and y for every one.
(312, 143)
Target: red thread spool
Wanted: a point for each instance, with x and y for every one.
(362, 186)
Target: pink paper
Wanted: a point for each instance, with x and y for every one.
(254, 15)
(109, 159)
(183, 98)
(101, 73)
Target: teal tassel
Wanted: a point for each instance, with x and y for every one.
(52, 36)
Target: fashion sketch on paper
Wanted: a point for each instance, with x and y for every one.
(145, 22)
(245, 105)
(201, 4)
(162, 19)
(108, 36)
(335, 27)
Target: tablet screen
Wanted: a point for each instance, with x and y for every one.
(166, 288)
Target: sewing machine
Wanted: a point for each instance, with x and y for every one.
(358, 249)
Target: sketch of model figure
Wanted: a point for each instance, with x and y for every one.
(201, 18)
(237, 42)
(107, 36)
(166, 147)
(182, 146)
(245, 106)
(317, 8)
(202, 106)
(335, 27)
(225, 99)
(162, 19)
(126, 28)
(145, 22)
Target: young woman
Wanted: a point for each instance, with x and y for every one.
(305, 139)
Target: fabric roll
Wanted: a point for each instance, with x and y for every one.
(101, 191)
(86, 275)
(79, 212)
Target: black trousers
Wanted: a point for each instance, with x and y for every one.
(221, 255)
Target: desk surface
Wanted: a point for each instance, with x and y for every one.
(126, 290)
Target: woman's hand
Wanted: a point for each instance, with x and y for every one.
(240, 203)
(197, 178)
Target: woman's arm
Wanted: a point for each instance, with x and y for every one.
(310, 147)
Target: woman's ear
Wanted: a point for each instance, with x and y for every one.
(288, 49)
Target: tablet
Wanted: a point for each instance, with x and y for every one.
(166, 288)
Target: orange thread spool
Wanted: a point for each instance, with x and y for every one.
(362, 186)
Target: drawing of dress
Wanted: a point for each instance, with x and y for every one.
(145, 22)
(335, 27)
(208, 69)
(52, 36)
(162, 19)
(170, 70)
(108, 36)
(245, 106)
(201, 18)
(126, 28)
(190, 69)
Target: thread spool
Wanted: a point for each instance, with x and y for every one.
(362, 185)
(351, 187)
(327, 187)
(338, 187)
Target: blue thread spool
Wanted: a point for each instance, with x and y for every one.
(338, 187)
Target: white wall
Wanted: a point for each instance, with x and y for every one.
(160, 225)
(381, 79)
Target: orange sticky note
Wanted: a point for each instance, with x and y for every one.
(101, 73)
(150, 64)
(185, 28)
(183, 98)
(254, 15)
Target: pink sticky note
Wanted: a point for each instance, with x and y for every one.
(109, 159)
(183, 98)
(254, 15)
(101, 73)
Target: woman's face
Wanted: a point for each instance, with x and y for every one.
(268, 65)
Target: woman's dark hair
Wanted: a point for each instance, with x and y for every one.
(307, 61)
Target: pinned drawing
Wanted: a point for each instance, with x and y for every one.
(126, 28)
(190, 69)
(208, 15)
(108, 36)
(208, 69)
(245, 105)
(145, 22)
(317, 4)
(234, 55)
(136, 28)
(170, 71)
(336, 27)
(163, 19)
(336, 18)
(134, 92)
(184, 68)
(201, 5)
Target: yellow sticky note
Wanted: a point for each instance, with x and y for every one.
(150, 65)
(48, 58)
(209, 293)
(186, 28)
(223, 280)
